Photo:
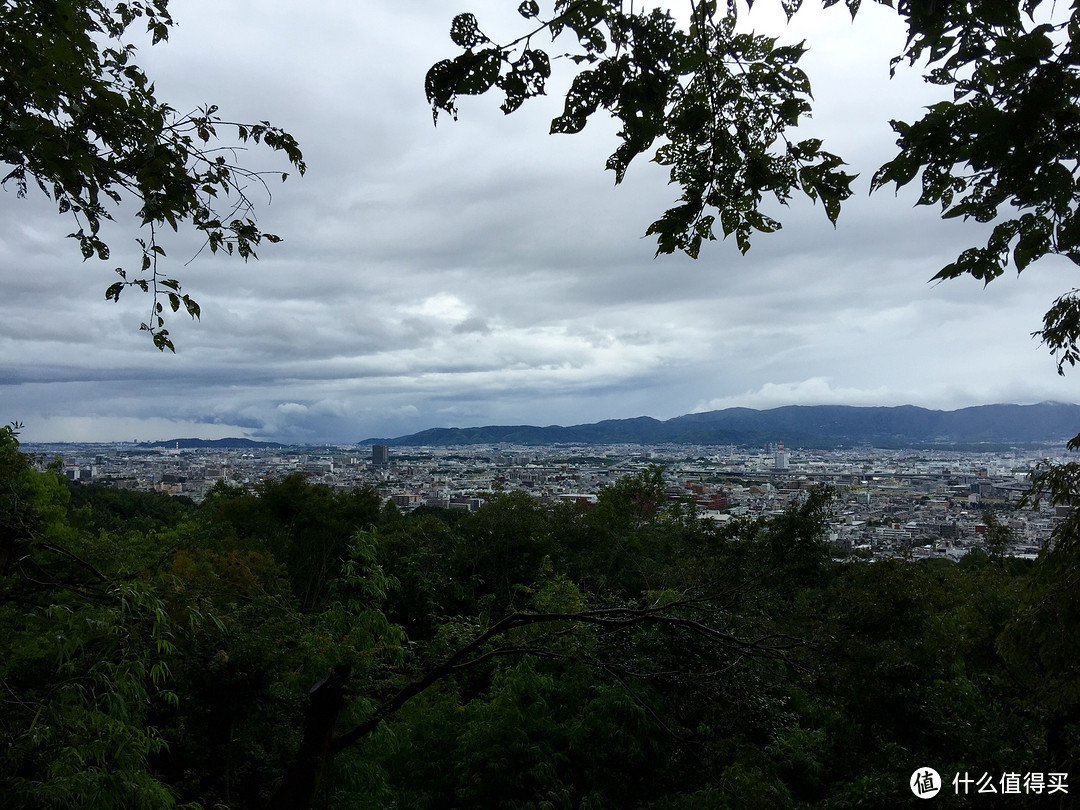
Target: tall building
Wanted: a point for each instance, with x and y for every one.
(380, 455)
(781, 458)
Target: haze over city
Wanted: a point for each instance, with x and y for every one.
(485, 272)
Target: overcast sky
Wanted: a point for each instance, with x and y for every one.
(485, 272)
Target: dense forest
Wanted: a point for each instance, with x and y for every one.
(300, 647)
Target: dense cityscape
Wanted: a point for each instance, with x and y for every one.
(918, 503)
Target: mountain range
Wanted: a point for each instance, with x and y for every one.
(811, 426)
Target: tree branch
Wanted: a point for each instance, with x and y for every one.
(769, 647)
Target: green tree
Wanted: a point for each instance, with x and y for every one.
(998, 535)
(795, 544)
(1041, 640)
(85, 656)
(719, 106)
(305, 526)
(114, 510)
(518, 607)
(507, 543)
(29, 503)
(194, 659)
(79, 120)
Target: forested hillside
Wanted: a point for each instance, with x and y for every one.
(820, 426)
(300, 647)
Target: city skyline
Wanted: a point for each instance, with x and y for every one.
(484, 272)
(887, 503)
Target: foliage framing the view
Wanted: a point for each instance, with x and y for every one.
(720, 102)
(79, 119)
(720, 107)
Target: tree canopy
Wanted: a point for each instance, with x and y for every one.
(720, 107)
(79, 120)
(296, 646)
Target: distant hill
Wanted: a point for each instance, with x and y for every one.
(818, 426)
(227, 444)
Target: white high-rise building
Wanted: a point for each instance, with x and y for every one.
(781, 458)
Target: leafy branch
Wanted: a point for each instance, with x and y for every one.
(1004, 150)
(773, 647)
(718, 102)
(79, 120)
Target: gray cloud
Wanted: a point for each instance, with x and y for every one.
(483, 272)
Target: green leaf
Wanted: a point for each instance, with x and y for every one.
(1034, 240)
(465, 31)
(162, 341)
(192, 308)
(478, 72)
